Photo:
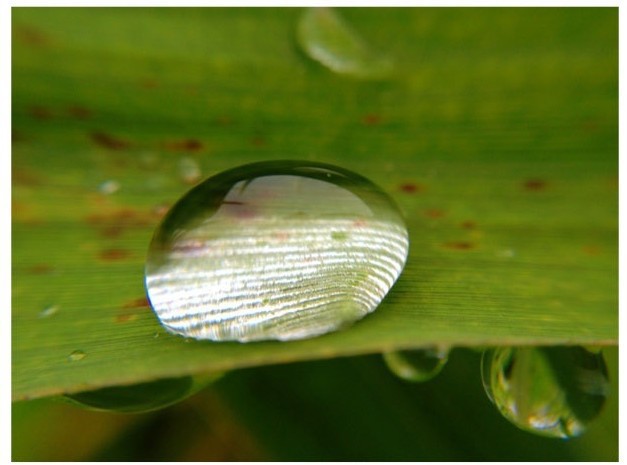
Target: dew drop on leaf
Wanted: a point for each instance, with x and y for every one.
(325, 37)
(48, 311)
(416, 365)
(76, 355)
(189, 170)
(109, 187)
(549, 391)
(142, 397)
(275, 250)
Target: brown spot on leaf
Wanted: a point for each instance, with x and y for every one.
(140, 302)
(258, 141)
(160, 210)
(185, 145)
(125, 317)
(459, 245)
(468, 224)
(434, 213)
(40, 112)
(114, 224)
(148, 83)
(371, 119)
(25, 177)
(535, 184)
(224, 120)
(114, 254)
(40, 268)
(17, 136)
(109, 142)
(411, 188)
(590, 125)
(79, 112)
(32, 36)
(592, 250)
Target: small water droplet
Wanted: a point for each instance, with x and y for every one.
(109, 187)
(76, 355)
(325, 37)
(416, 365)
(49, 311)
(550, 391)
(249, 254)
(142, 397)
(506, 253)
(189, 170)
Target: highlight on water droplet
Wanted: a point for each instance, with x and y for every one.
(142, 397)
(275, 250)
(550, 391)
(416, 365)
(325, 37)
(48, 311)
(76, 355)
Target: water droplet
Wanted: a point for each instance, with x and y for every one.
(325, 37)
(109, 187)
(142, 397)
(76, 355)
(189, 170)
(416, 365)
(49, 311)
(550, 391)
(506, 253)
(249, 254)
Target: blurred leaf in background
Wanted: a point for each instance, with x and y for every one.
(495, 130)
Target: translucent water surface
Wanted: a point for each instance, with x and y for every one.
(275, 250)
(550, 391)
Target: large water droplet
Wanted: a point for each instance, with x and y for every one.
(275, 250)
(142, 397)
(550, 391)
(416, 365)
(325, 37)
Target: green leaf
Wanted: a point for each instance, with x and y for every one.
(498, 139)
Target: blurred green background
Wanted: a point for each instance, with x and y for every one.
(506, 115)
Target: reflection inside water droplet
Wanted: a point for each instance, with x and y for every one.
(325, 37)
(76, 355)
(275, 250)
(416, 365)
(142, 397)
(550, 391)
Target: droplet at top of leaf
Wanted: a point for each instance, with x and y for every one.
(326, 38)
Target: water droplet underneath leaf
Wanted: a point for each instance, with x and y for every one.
(550, 391)
(142, 397)
(416, 365)
(249, 254)
(325, 37)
